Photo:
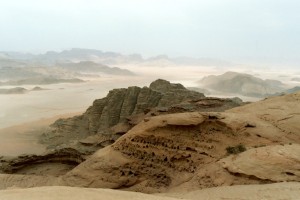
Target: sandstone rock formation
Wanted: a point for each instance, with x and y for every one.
(121, 103)
(161, 152)
(275, 163)
(110, 117)
(64, 159)
(104, 122)
(186, 150)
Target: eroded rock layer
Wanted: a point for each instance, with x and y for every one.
(276, 163)
(60, 161)
(162, 152)
(110, 117)
(193, 150)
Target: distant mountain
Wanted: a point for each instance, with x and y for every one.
(288, 91)
(16, 73)
(8, 73)
(40, 81)
(243, 84)
(201, 90)
(37, 88)
(88, 66)
(16, 90)
(3, 56)
(292, 90)
(295, 79)
(76, 55)
(19, 90)
(7, 62)
(73, 55)
(11, 71)
(202, 61)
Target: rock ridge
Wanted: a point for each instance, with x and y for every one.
(112, 116)
(117, 106)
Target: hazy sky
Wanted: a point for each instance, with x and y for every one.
(224, 29)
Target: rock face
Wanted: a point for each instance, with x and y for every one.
(276, 163)
(190, 150)
(160, 153)
(252, 144)
(121, 103)
(37, 164)
(70, 141)
(122, 108)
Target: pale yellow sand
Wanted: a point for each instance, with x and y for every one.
(23, 138)
(277, 191)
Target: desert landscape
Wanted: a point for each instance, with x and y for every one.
(163, 140)
(160, 100)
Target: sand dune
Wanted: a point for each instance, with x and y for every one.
(23, 138)
(278, 191)
(73, 193)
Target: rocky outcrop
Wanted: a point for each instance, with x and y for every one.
(192, 150)
(275, 163)
(252, 144)
(125, 108)
(66, 158)
(159, 153)
(122, 103)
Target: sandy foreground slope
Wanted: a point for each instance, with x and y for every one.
(277, 191)
(24, 137)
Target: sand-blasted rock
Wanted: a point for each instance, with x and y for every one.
(275, 163)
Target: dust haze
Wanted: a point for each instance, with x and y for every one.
(149, 99)
(60, 98)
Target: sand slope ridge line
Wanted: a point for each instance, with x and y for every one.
(74, 193)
